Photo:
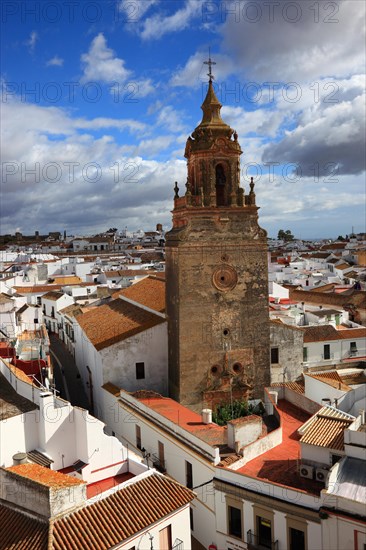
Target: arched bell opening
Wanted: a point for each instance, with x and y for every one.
(220, 184)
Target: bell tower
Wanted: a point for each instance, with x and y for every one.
(216, 274)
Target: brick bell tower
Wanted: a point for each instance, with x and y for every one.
(216, 274)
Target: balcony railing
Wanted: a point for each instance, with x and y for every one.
(158, 464)
(254, 543)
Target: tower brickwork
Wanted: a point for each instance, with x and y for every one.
(216, 274)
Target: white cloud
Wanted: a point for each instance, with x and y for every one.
(31, 42)
(55, 61)
(326, 133)
(261, 122)
(134, 11)
(158, 25)
(130, 188)
(327, 39)
(101, 63)
(171, 119)
(195, 71)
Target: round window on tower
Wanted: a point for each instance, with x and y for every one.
(215, 370)
(237, 368)
(224, 278)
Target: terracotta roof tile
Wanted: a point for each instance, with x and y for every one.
(320, 333)
(355, 297)
(65, 281)
(113, 322)
(72, 311)
(114, 519)
(5, 298)
(44, 476)
(21, 532)
(185, 418)
(298, 387)
(36, 289)
(326, 432)
(332, 379)
(149, 292)
(52, 295)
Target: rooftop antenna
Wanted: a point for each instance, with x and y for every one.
(210, 63)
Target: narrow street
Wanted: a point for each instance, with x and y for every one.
(66, 373)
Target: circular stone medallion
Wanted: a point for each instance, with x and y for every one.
(224, 278)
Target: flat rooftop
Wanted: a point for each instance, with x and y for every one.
(212, 434)
(281, 464)
(11, 403)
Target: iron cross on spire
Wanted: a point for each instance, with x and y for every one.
(210, 63)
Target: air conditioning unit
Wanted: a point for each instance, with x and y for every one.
(321, 474)
(306, 471)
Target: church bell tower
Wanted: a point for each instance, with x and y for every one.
(216, 274)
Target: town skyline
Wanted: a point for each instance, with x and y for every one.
(94, 127)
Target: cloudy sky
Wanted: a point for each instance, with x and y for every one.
(99, 97)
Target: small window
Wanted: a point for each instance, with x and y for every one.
(297, 539)
(39, 301)
(353, 348)
(234, 516)
(304, 354)
(138, 437)
(189, 475)
(264, 532)
(274, 355)
(161, 453)
(326, 351)
(140, 371)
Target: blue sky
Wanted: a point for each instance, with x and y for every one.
(99, 97)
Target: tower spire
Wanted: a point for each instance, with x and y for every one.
(210, 63)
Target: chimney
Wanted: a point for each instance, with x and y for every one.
(20, 458)
(207, 416)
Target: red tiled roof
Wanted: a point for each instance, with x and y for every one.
(116, 518)
(326, 432)
(36, 289)
(52, 295)
(298, 387)
(320, 333)
(45, 288)
(185, 418)
(21, 532)
(149, 292)
(127, 273)
(44, 476)
(332, 379)
(355, 297)
(113, 322)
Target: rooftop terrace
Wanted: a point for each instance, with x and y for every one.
(281, 464)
